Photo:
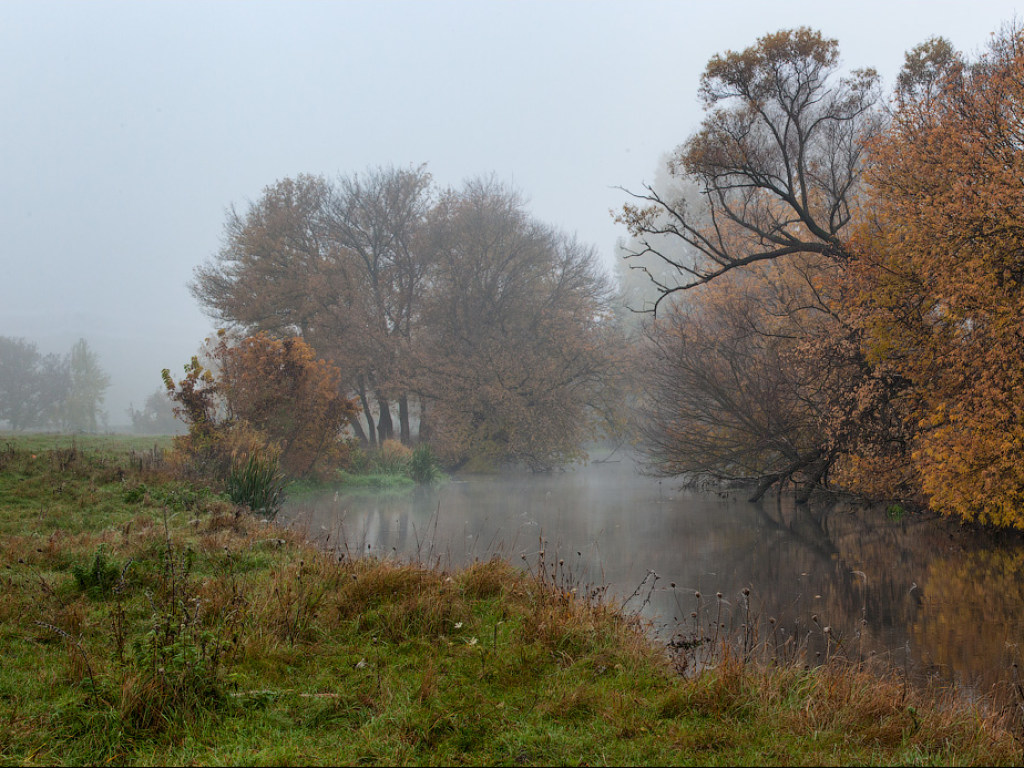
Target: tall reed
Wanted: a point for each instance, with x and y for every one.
(257, 483)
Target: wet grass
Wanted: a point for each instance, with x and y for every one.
(108, 446)
(376, 481)
(147, 621)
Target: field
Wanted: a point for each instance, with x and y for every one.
(144, 620)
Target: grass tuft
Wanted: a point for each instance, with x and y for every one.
(423, 467)
(99, 578)
(257, 483)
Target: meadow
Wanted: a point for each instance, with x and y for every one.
(145, 620)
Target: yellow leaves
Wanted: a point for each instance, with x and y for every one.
(973, 467)
(937, 299)
(268, 392)
(637, 219)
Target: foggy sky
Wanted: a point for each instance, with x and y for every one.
(127, 128)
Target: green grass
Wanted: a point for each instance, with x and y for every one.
(377, 484)
(104, 445)
(376, 481)
(146, 621)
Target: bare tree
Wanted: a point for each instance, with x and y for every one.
(777, 160)
(728, 394)
(745, 377)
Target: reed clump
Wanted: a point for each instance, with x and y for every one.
(424, 467)
(256, 481)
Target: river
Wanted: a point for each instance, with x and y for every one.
(925, 595)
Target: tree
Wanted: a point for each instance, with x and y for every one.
(462, 301)
(281, 389)
(265, 393)
(516, 338)
(942, 274)
(925, 67)
(758, 370)
(376, 220)
(739, 384)
(82, 408)
(33, 386)
(778, 160)
(269, 272)
(640, 270)
(337, 264)
(156, 417)
(18, 362)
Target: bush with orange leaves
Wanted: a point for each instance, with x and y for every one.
(941, 260)
(261, 393)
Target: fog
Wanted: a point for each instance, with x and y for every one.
(129, 128)
(606, 526)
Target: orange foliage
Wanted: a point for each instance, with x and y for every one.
(212, 444)
(267, 392)
(280, 388)
(942, 280)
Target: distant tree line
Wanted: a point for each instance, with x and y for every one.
(156, 416)
(51, 392)
(839, 278)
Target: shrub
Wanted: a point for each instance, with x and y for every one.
(393, 458)
(423, 467)
(208, 454)
(257, 483)
(98, 578)
(359, 461)
(266, 392)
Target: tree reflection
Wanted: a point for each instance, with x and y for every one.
(920, 593)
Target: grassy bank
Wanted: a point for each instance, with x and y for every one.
(145, 621)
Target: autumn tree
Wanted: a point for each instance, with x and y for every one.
(258, 392)
(942, 276)
(777, 161)
(376, 220)
(268, 271)
(281, 389)
(337, 264)
(756, 368)
(516, 345)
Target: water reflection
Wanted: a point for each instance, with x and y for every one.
(932, 598)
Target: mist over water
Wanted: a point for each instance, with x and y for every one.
(931, 598)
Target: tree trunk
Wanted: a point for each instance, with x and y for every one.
(807, 487)
(357, 427)
(423, 432)
(371, 432)
(767, 481)
(404, 432)
(385, 427)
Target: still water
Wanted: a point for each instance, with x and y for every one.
(940, 602)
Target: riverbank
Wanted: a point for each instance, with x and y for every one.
(146, 621)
